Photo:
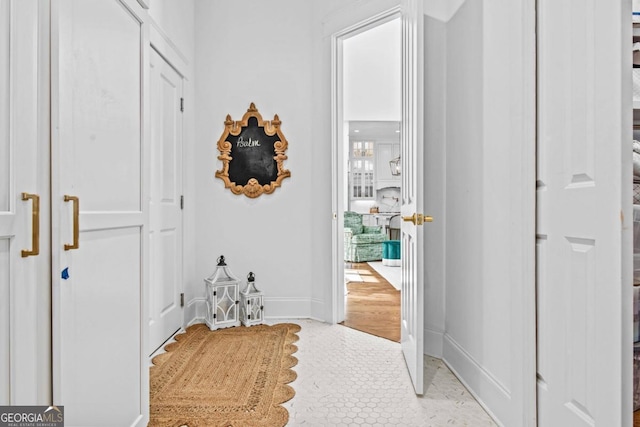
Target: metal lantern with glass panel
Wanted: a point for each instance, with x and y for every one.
(251, 306)
(395, 166)
(222, 297)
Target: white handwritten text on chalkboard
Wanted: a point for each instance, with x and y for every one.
(242, 143)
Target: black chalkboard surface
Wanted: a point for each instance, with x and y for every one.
(252, 152)
(253, 155)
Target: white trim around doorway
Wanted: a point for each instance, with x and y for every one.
(361, 24)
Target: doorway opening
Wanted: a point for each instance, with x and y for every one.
(369, 74)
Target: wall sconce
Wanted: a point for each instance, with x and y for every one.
(395, 166)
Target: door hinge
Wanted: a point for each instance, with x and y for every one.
(182, 105)
(182, 299)
(181, 202)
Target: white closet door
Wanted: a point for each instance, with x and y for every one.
(100, 212)
(24, 286)
(580, 228)
(165, 228)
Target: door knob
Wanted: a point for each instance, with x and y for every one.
(417, 219)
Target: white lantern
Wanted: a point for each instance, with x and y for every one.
(222, 297)
(251, 306)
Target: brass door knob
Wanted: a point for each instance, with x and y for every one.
(417, 219)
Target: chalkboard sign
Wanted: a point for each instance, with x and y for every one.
(252, 152)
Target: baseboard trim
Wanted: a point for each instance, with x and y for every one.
(483, 386)
(433, 343)
(196, 320)
(317, 309)
(195, 311)
(292, 308)
(274, 308)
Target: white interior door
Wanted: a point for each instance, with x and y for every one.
(24, 284)
(579, 231)
(412, 242)
(165, 227)
(100, 212)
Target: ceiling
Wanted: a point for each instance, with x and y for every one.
(374, 130)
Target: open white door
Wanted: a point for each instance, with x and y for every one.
(165, 213)
(99, 211)
(412, 242)
(582, 144)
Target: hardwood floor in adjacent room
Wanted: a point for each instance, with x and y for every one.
(373, 305)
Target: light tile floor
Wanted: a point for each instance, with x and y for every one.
(349, 378)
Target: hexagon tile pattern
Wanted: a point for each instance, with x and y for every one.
(349, 378)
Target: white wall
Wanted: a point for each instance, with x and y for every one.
(372, 74)
(434, 187)
(286, 71)
(175, 18)
(294, 82)
(464, 161)
(489, 277)
(242, 57)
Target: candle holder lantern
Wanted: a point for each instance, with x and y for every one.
(222, 297)
(251, 303)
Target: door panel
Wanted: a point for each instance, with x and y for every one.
(579, 213)
(412, 293)
(100, 364)
(169, 276)
(170, 85)
(105, 124)
(5, 321)
(166, 313)
(23, 367)
(101, 329)
(7, 227)
(5, 152)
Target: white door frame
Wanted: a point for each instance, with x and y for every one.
(337, 149)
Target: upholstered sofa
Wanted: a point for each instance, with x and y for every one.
(361, 242)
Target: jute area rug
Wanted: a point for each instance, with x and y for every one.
(229, 377)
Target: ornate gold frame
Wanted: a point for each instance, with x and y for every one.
(253, 188)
